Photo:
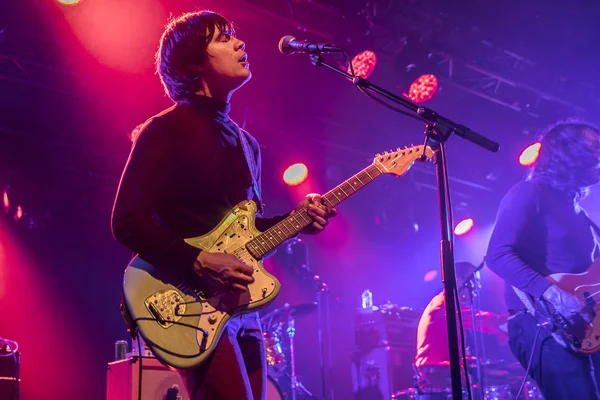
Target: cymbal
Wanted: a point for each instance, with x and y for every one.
(486, 322)
(289, 311)
(509, 366)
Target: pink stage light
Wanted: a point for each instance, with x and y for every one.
(295, 174)
(423, 88)
(430, 276)
(364, 64)
(5, 200)
(530, 155)
(118, 34)
(19, 213)
(464, 226)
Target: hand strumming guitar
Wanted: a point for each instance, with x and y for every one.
(566, 304)
(224, 269)
(318, 211)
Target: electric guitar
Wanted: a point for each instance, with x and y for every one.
(182, 318)
(575, 334)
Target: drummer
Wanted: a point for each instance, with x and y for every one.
(432, 359)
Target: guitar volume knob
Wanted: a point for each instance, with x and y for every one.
(212, 319)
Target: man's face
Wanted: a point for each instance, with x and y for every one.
(226, 67)
(591, 140)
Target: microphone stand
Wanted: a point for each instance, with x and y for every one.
(322, 297)
(438, 130)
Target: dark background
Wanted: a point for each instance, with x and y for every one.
(75, 80)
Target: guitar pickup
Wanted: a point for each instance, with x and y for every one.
(167, 307)
(157, 316)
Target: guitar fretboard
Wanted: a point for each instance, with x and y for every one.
(294, 223)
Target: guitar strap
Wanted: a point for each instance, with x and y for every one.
(252, 167)
(595, 227)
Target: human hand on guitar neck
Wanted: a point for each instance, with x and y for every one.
(226, 270)
(566, 304)
(318, 211)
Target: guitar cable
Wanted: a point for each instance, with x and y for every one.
(537, 335)
(141, 352)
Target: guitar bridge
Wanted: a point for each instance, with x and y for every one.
(167, 307)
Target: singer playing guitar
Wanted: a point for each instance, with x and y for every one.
(189, 165)
(542, 230)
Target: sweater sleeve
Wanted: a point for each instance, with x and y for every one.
(262, 223)
(517, 214)
(133, 218)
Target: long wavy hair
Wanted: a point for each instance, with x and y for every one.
(564, 157)
(183, 47)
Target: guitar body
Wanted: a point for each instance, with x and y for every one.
(180, 318)
(576, 334)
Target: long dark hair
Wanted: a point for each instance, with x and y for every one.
(563, 156)
(182, 47)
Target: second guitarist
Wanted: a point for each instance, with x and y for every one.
(542, 230)
(188, 167)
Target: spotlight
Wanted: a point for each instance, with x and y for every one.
(69, 2)
(530, 155)
(464, 226)
(295, 174)
(430, 275)
(423, 88)
(364, 64)
(5, 200)
(19, 213)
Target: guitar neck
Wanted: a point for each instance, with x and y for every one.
(294, 223)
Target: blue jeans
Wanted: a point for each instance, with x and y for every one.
(237, 369)
(559, 373)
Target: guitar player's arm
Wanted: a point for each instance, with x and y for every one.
(518, 217)
(317, 210)
(133, 223)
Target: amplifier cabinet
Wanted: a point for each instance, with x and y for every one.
(379, 373)
(158, 381)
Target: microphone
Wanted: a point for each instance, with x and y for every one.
(289, 45)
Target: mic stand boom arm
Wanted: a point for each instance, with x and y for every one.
(424, 113)
(437, 132)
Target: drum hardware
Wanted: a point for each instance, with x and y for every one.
(273, 390)
(279, 335)
(322, 294)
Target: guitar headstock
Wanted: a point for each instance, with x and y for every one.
(399, 161)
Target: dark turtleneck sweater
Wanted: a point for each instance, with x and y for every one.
(186, 170)
(538, 232)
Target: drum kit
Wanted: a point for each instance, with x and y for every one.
(279, 331)
(433, 383)
(489, 379)
(502, 381)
